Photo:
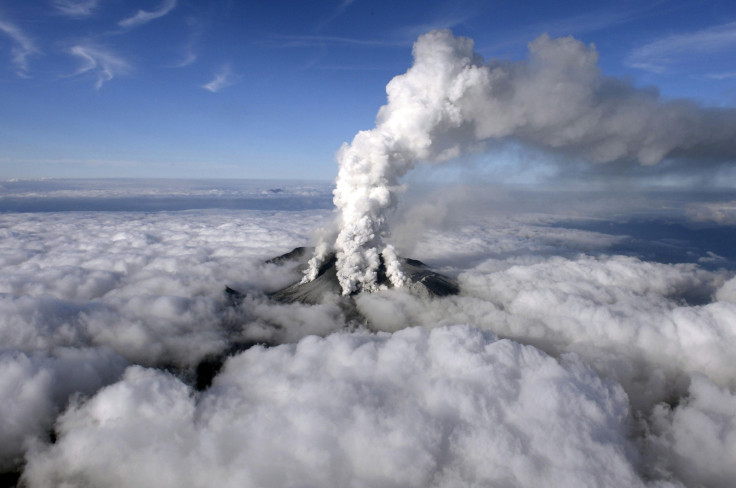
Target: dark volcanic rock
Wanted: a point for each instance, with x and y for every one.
(234, 297)
(10, 479)
(420, 280)
(295, 254)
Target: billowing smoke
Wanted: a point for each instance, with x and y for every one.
(451, 101)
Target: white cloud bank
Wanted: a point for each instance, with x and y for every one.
(696, 441)
(448, 407)
(424, 403)
(150, 286)
(36, 386)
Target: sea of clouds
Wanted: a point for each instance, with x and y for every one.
(573, 356)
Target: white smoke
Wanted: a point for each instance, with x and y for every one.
(451, 101)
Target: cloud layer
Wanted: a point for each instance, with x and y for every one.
(610, 370)
(150, 287)
(447, 407)
(36, 386)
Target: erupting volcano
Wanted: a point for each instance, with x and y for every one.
(451, 101)
(417, 278)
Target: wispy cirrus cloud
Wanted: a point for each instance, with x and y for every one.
(659, 55)
(103, 63)
(721, 76)
(575, 25)
(23, 47)
(80, 162)
(335, 13)
(189, 57)
(76, 8)
(144, 16)
(223, 78)
(189, 54)
(286, 41)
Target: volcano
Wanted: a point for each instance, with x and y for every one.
(420, 280)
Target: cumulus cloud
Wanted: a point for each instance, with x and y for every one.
(36, 386)
(696, 440)
(100, 61)
(727, 292)
(447, 407)
(628, 318)
(76, 8)
(151, 288)
(606, 364)
(144, 16)
(723, 212)
(223, 79)
(451, 101)
(23, 47)
(85, 293)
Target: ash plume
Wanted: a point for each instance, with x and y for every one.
(451, 101)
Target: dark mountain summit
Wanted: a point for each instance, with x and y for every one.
(420, 280)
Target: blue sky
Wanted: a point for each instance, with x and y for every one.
(177, 88)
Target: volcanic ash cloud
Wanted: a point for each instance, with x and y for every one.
(452, 101)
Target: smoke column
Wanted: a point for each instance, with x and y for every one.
(451, 101)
